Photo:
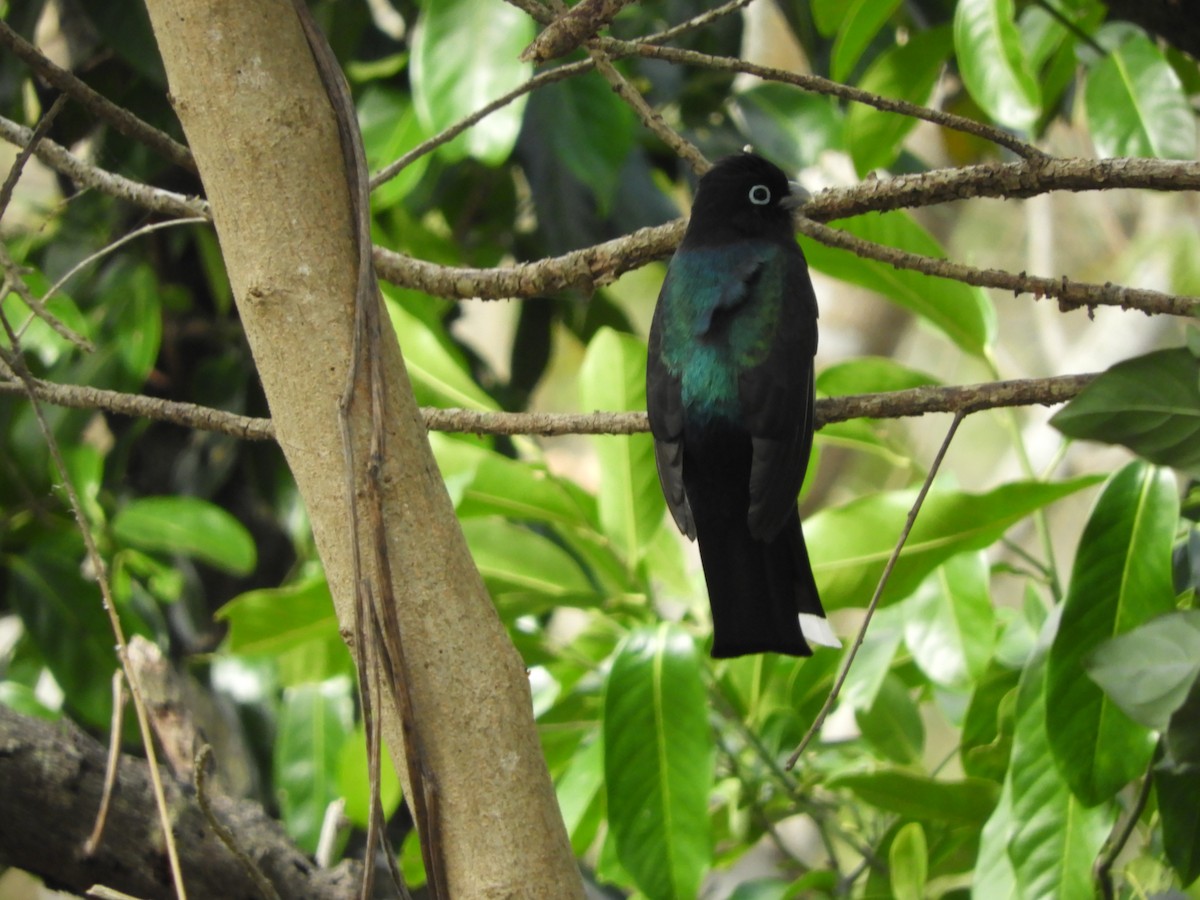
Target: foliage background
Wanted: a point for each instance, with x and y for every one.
(990, 740)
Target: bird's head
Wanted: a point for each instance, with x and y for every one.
(744, 196)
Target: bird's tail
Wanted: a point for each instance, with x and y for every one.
(762, 593)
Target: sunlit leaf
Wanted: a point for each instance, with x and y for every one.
(314, 721)
(1120, 580)
(963, 313)
(658, 762)
(1150, 404)
(1136, 105)
(993, 66)
(464, 55)
(188, 526)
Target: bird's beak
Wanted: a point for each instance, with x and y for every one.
(797, 196)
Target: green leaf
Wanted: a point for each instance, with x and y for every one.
(294, 625)
(1120, 580)
(1136, 105)
(1179, 806)
(892, 723)
(464, 55)
(968, 801)
(438, 379)
(63, 615)
(904, 72)
(315, 720)
(390, 128)
(908, 860)
(658, 762)
(354, 781)
(850, 544)
(1150, 404)
(188, 526)
(962, 313)
(994, 876)
(861, 24)
(613, 378)
(987, 729)
(1052, 838)
(581, 796)
(590, 130)
(514, 559)
(1149, 671)
(868, 374)
(991, 62)
(788, 126)
(525, 491)
(950, 626)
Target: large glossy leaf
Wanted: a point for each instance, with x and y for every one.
(994, 877)
(1150, 404)
(526, 491)
(850, 544)
(987, 729)
(314, 721)
(1136, 105)
(590, 129)
(294, 625)
(581, 796)
(901, 791)
(1149, 671)
(438, 378)
(962, 313)
(464, 55)
(188, 526)
(515, 560)
(859, 27)
(613, 378)
(390, 129)
(1052, 838)
(950, 626)
(904, 72)
(658, 762)
(992, 64)
(1120, 580)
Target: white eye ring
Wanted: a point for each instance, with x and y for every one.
(760, 195)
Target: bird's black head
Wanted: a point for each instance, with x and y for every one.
(742, 196)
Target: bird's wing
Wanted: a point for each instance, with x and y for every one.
(664, 405)
(777, 399)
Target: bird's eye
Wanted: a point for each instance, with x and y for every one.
(760, 195)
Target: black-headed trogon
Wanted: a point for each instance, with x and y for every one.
(729, 390)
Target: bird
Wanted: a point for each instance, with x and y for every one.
(730, 397)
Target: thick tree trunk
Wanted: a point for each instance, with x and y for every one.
(264, 136)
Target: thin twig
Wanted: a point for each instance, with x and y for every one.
(118, 117)
(1070, 294)
(700, 21)
(110, 767)
(37, 307)
(1102, 871)
(871, 607)
(84, 174)
(18, 166)
(200, 778)
(818, 85)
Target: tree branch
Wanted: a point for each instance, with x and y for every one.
(1070, 294)
(890, 405)
(52, 779)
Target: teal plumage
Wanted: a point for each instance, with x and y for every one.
(729, 385)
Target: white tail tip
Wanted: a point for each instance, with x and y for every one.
(816, 630)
